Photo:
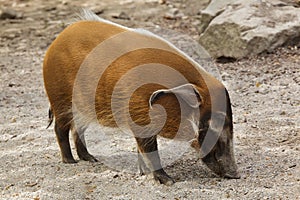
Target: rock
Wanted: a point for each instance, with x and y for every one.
(50, 8)
(212, 10)
(174, 11)
(174, 14)
(98, 11)
(162, 2)
(64, 2)
(169, 16)
(121, 15)
(9, 14)
(246, 28)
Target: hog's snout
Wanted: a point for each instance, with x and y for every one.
(226, 170)
(223, 165)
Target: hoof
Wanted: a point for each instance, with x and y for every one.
(88, 157)
(163, 178)
(235, 175)
(69, 160)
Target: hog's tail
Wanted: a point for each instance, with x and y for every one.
(50, 115)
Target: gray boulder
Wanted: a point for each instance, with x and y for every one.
(242, 28)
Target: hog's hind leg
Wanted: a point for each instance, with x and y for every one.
(82, 152)
(62, 134)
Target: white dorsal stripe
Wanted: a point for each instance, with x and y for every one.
(88, 15)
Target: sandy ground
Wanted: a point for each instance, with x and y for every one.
(264, 92)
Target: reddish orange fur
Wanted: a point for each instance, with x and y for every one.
(67, 52)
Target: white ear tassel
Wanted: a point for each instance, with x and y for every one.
(194, 126)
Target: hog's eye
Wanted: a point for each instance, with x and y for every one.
(217, 157)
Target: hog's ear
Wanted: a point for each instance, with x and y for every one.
(187, 92)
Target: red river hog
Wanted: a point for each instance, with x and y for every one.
(96, 70)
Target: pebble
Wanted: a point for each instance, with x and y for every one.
(98, 11)
(263, 91)
(174, 11)
(169, 16)
(292, 166)
(174, 14)
(121, 15)
(9, 14)
(283, 113)
(162, 2)
(64, 3)
(13, 120)
(225, 76)
(50, 8)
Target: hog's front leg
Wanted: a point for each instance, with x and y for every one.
(148, 148)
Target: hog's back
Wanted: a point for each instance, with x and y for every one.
(66, 54)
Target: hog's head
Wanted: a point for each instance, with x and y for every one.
(220, 159)
(216, 142)
(214, 126)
